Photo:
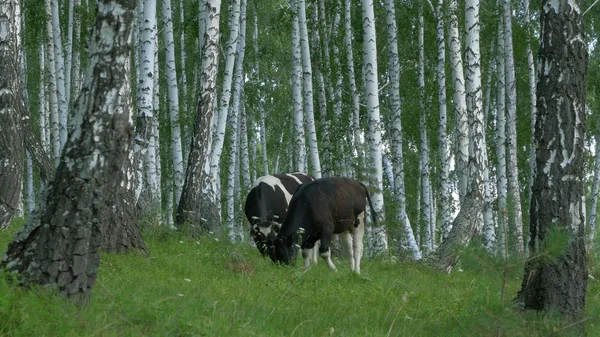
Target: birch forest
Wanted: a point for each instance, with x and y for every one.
(432, 104)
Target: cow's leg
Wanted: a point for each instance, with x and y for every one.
(357, 242)
(348, 247)
(307, 254)
(325, 252)
(314, 256)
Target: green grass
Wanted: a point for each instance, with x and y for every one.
(210, 288)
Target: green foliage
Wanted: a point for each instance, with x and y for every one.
(212, 288)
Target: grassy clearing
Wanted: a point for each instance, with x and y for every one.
(210, 288)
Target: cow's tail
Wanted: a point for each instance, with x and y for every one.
(373, 213)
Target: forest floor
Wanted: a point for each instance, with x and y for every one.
(208, 287)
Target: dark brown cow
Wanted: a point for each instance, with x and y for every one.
(318, 210)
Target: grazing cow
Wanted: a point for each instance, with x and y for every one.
(317, 211)
(267, 204)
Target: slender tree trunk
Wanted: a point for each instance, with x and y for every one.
(194, 208)
(354, 93)
(59, 61)
(501, 145)
(52, 85)
(44, 117)
(299, 136)
(11, 133)
(460, 105)
(235, 232)
(514, 197)
(64, 252)
(308, 91)
(261, 106)
(594, 200)
(173, 92)
(557, 280)
(379, 243)
(445, 184)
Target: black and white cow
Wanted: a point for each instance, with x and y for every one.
(317, 211)
(267, 204)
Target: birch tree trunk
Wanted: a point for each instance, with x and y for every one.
(460, 104)
(145, 92)
(173, 94)
(52, 85)
(428, 219)
(44, 107)
(354, 93)
(594, 199)
(261, 106)
(11, 133)
(64, 251)
(501, 144)
(379, 239)
(396, 128)
(59, 61)
(514, 197)
(299, 136)
(557, 281)
(234, 231)
(445, 184)
(315, 162)
(196, 208)
(75, 77)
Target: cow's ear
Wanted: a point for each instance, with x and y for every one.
(275, 229)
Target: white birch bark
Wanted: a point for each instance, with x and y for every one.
(501, 144)
(244, 151)
(44, 118)
(261, 106)
(594, 199)
(145, 91)
(460, 104)
(30, 188)
(217, 149)
(183, 57)
(69, 52)
(52, 85)
(59, 61)
(378, 238)
(446, 199)
(299, 136)
(76, 72)
(511, 133)
(354, 93)
(173, 94)
(396, 128)
(428, 220)
(308, 91)
(234, 231)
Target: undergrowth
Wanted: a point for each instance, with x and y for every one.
(208, 287)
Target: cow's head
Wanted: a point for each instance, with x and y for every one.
(260, 233)
(281, 249)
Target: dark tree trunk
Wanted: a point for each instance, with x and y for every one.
(59, 245)
(11, 135)
(555, 279)
(195, 209)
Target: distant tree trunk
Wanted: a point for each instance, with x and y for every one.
(594, 200)
(44, 117)
(315, 162)
(64, 251)
(299, 135)
(512, 169)
(460, 105)
(173, 92)
(235, 232)
(261, 106)
(556, 279)
(445, 184)
(59, 61)
(428, 219)
(52, 85)
(501, 183)
(69, 52)
(11, 133)
(197, 174)
(30, 185)
(379, 238)
(396, 129)
(75, 78)
(354, 93)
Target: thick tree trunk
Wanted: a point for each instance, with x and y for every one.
(59, 246)
(197, 176)
(501, 183)
(557, 280)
